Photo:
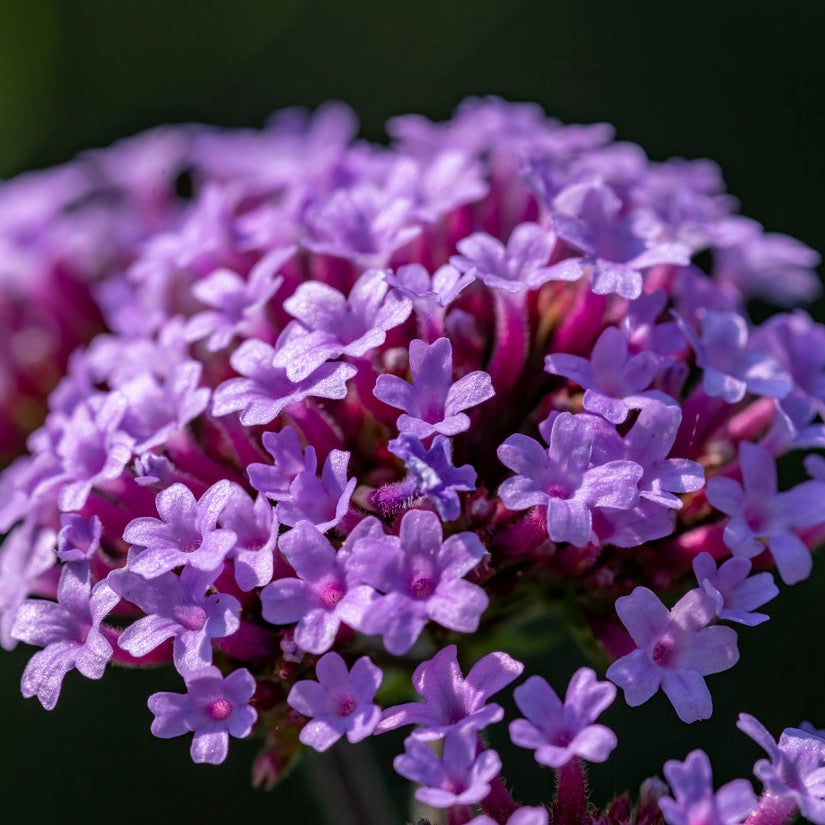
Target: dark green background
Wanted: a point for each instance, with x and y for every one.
(740, 82)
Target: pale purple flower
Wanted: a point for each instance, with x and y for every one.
(564, 479)
(340, 702)
(419, 577)
(255, 525)
(795, 769)
(523, 816)
(450, 700)
(649, 443)
(735, 592)
(440, 183)
(432, 473)
(675, 650)
(322, 501)
(614, 254)
(731, 365)
(26, 553)
(185, 534)
(332, 325)
(176, 607)
(612, 378)
(158, 409)
(265, 388)
(92, 449)
(559, 732)
(770, 266)
(323, 594)
(520, 265)
(461, 776)
(235, 302)
(213, 708)
(68, 631)
(686, 198)
(429, 294)
(362, 223)
(153, 470)
(288, 462)
(644, 332)
(691, 783)
(433, 403)
(763, 517)
(798, 344)
(79, 538)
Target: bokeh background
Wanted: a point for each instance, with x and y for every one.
(740, 82)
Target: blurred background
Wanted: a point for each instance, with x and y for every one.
(742, 83)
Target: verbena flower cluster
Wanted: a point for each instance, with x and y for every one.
(348, 400)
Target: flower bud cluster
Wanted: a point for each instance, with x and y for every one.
(348, 400)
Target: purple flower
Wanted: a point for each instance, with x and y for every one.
(255, 525)
(644, 333)
(265, 388)
(674, 650)
(324, 502)
(795, 769)
(770, 266)
(433, 403)
(289, 461)
(521, 265)
(686, 198)
(614, 254)
(235, 301)
(176, 608)
(323, 594)
(185, 534)
(213, 708)
(523, 816)
(731, 366)
(79, 538)
(691, 783)
(432, 473)
(68, 631)
(158, 409)
(420, 577)
(762, 517)
(648, 443)
(430, 294)
(92, 449)
(560, 732)
(611, 378)
(26, 553)
(563, 478)
(798, 344)
(450, 700)
(362, 224)
(333, 325)
(735, 593)
(152, 470)
(461, 776)
(340, 702)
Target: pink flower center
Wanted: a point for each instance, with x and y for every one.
(330, 593)
(422, 586)
(219, 710)
(346, 705)
(664, 652)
